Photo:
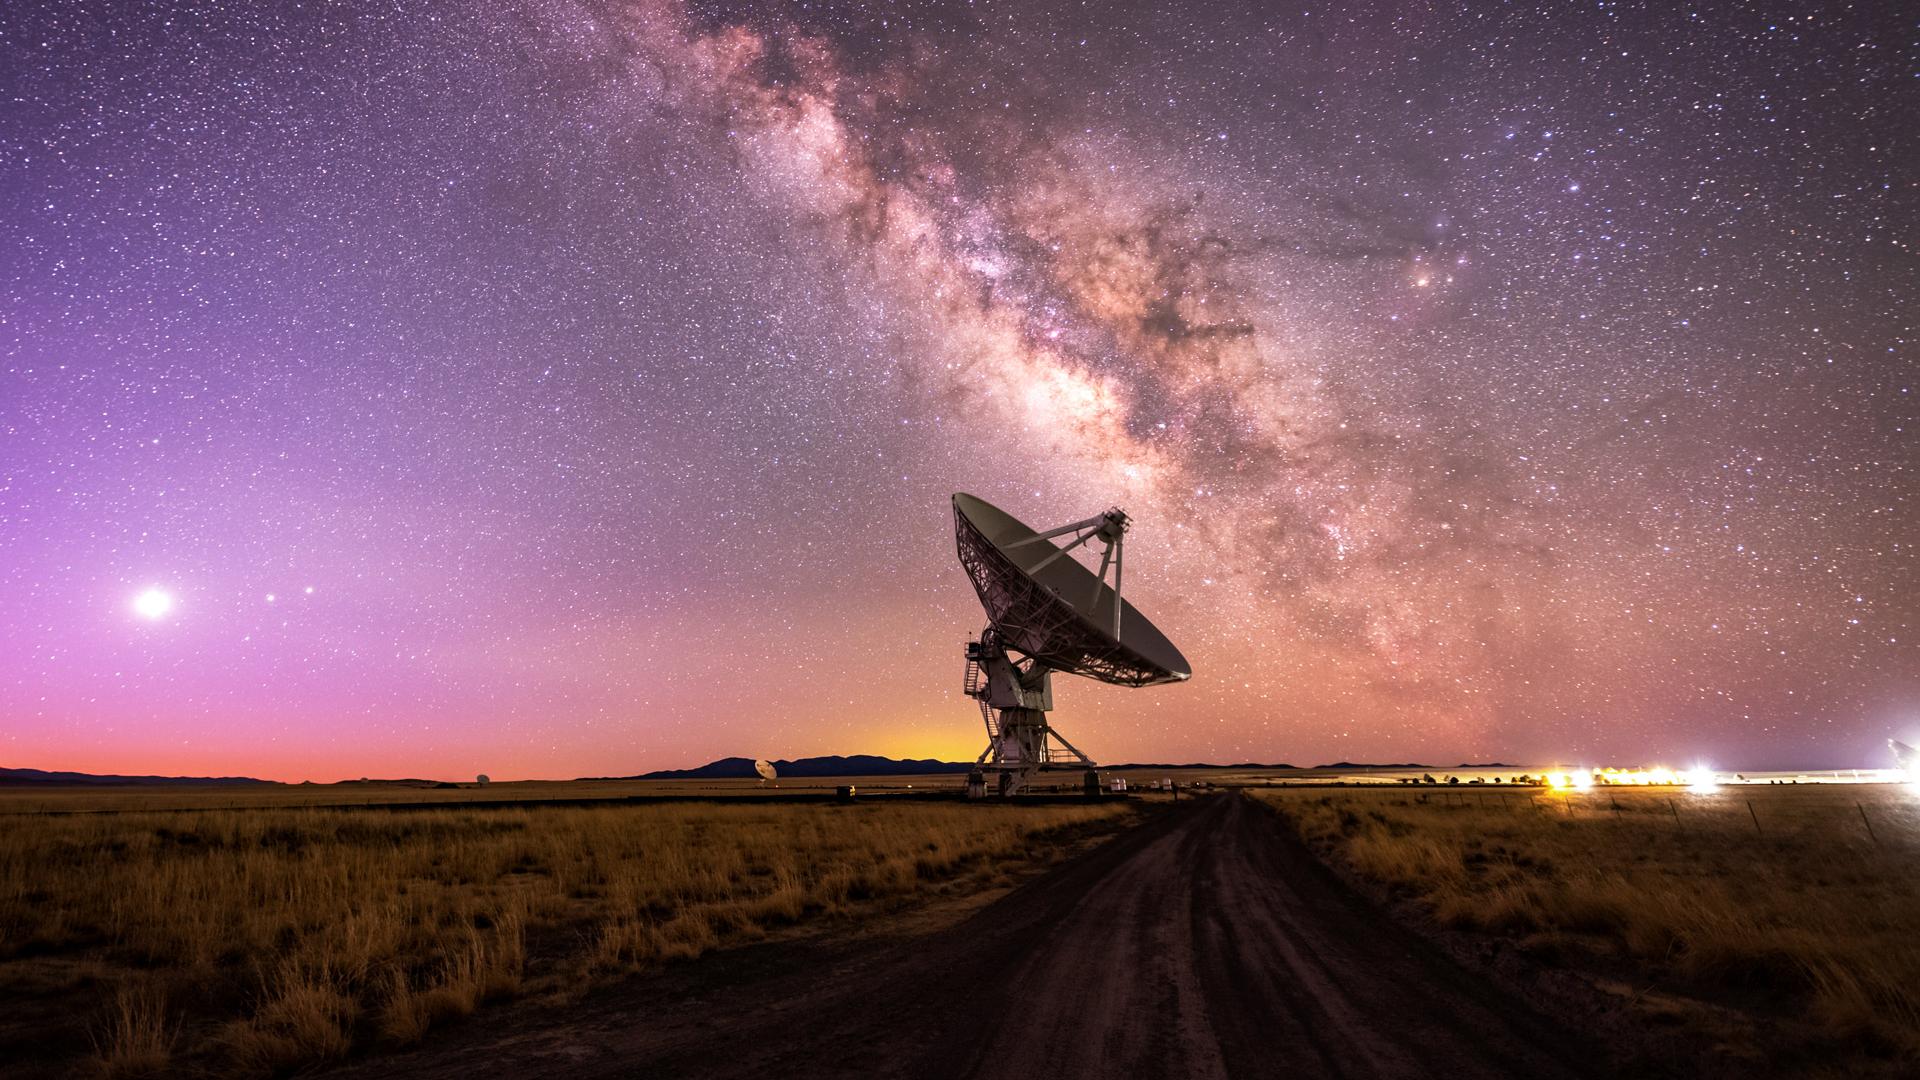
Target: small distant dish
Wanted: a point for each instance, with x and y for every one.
(765, 769)
(483, 779)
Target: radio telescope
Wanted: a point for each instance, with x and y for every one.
(1057, 615)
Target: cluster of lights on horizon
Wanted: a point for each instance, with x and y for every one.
(1700, 779)
(1704, 780)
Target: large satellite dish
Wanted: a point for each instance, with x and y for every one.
(764, 769)
(1058, 615)
(1055, 610)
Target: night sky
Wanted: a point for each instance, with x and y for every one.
(553, 390)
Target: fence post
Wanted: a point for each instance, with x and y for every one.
(1676, 813)
(1867, 823)
(1756, 818)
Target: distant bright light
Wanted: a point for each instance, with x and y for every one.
(152, 604)
(1583, 780)
(1700, 780)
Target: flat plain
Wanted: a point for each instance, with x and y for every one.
(1329, 929)
(1775, 924)
(1205, 942)
(265, 931)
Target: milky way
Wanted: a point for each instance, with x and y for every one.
(575, 389)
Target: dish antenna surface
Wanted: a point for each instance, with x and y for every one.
(764, 769)
(1058, 615)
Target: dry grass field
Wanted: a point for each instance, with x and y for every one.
(272, 939)
(1783, 921)
(35, 798)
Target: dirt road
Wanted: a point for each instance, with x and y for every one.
(1205, 943)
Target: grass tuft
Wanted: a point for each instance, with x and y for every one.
(138, 1037)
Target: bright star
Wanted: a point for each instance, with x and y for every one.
(153, 603)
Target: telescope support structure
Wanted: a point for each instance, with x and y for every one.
(1015, 698)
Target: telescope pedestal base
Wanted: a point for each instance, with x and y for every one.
(1022, 746)
(1014, 699)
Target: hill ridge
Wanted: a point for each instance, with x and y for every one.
(47, 776)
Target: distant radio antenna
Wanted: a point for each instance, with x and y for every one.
(1057, 615)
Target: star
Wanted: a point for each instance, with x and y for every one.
(153, 604)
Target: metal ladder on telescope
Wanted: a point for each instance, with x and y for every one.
(974, 689)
